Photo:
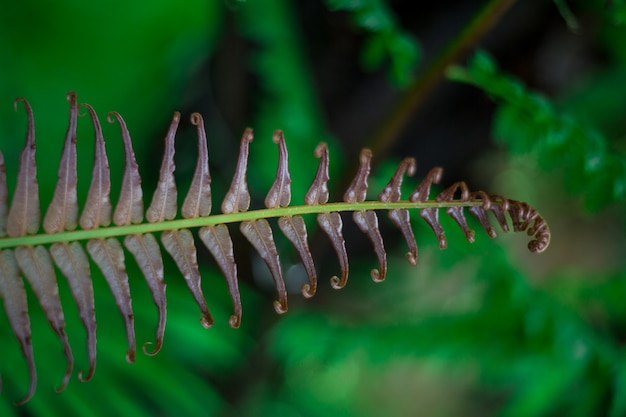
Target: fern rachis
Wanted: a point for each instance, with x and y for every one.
(25, 251)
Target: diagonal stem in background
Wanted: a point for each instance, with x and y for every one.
(415, 96)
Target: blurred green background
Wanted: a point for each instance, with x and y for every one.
(482, 329)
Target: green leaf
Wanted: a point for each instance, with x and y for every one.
(386, 41)
(528, 122)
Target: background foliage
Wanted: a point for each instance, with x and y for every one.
(482, 329)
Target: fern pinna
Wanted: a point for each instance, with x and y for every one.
(25, 251)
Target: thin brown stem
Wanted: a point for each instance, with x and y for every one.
(384, 137)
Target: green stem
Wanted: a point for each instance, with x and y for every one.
(135, 229)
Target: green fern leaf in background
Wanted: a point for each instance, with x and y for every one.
(527, 121)
(385, 41)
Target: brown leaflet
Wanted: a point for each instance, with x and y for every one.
(293, 227)
(145, 250)
(401, 218)
(392, 191)
(357, 191)
(499, 206)
(109, 256)
(457, 212)
(62, 215)
(215, 238)
(179, 244)
(73, 263)
(330, 223)
(97, 209)
(259, 234)
(218, 242)
(63, 210)
(422, 191)
(37, 267)
(238, 197)
(279, 194)
(480, 212)
(522, 214)
(518, 212)
(367, 220)
(163, 205)
(24, 214)
(3, 197)
(540, 231)
(430, 215)
(16, 305)
(71, 259)
(318, 191)
(129, 207)
(198, 200)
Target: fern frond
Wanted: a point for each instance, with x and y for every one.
(25, 250)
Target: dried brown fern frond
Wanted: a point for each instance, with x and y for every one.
(26, 251)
